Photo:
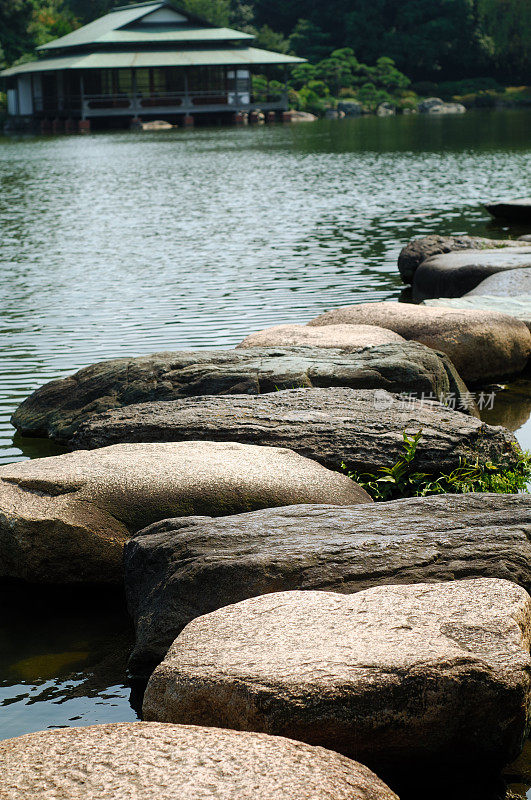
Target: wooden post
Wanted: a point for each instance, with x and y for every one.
(134, 89)
(285, 98)
(186, 95)
(82, 90)
(236, 89)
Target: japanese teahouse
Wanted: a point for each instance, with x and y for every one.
(145, 61)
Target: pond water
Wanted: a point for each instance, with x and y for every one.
(119, 244)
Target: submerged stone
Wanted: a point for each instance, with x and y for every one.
(512, 210)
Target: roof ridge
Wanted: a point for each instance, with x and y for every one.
(140, 5)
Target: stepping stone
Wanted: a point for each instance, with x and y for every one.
(418, 250)
(147, 760)
(180, 569)
(400, 677)
(347, 337)
(455, 274)
(517, 307)
(511, 210)
(58, 408)
(65, 519)
(512, 283)
(361, 428)
(484, 346)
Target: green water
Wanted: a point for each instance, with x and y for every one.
(125, 243)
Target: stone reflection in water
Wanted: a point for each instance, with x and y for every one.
(63, 657)
(512, 409)
(518, 774)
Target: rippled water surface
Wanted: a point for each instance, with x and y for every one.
(119, 244)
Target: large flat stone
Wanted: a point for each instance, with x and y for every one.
(483, 345)
(151, 761)
(455, 274)
(65, 519)
(511, 210)
(58, 407)
(180, 569)
(517, 307)
(418, 250)
(511, 283)
(347, 337)
(398, 676)
(361, 428)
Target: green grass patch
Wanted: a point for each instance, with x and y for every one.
(404, 480)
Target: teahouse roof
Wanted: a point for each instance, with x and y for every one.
(147, 35)
(144, 23)
(235, 56)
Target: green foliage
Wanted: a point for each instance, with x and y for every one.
(428, 39)
(371, 96)
(216, 11)
(432, 41)
(340, 74)
(267, 38)
(309, 41)
(50, 21)
(15, 16)
(403, 479)
(507, 23)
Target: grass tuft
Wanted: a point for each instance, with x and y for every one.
(403, 479)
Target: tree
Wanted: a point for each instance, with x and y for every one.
(242, 16)
(267, 38)
(336, 72)
(216, 11)
(50, 21)
(388, 76)
(507, 24)
(309, 41)
(302, 74)
(14, 19)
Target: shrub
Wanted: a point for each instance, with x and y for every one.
(425, 88)
(403, 479)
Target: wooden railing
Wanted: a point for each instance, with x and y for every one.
(116, 104)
